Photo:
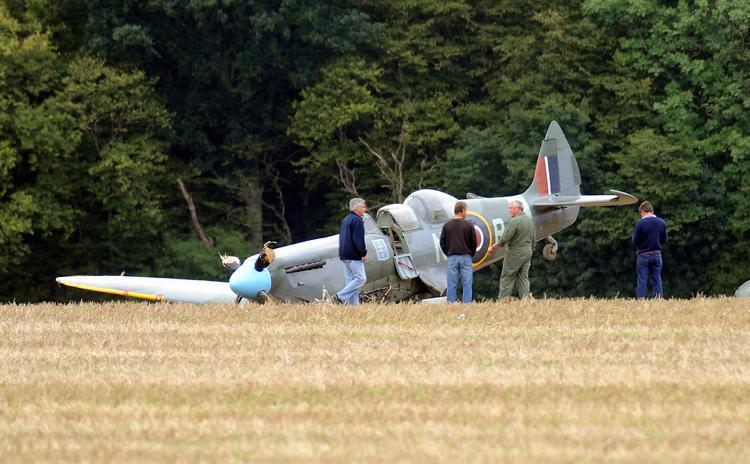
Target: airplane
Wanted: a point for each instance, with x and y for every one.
(404, 262)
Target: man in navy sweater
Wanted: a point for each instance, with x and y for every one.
(352, 252)
(650, 232)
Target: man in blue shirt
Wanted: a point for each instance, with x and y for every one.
(650, 232)
(352, 252)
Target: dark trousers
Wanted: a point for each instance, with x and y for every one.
(648, 266)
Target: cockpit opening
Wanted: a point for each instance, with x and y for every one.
(394, 220)
(432, 206)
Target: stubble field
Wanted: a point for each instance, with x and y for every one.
(526, 381)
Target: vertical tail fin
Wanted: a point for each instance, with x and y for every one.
(556, 171)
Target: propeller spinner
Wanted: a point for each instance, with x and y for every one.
(252, 280)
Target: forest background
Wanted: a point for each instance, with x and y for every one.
(146, 136)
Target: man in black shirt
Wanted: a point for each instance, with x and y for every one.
(650, 232)
(458, 241)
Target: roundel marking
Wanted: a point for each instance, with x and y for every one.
(480, 237)
(484, 237)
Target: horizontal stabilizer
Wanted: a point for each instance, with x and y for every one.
(154, 288)
(617, 199)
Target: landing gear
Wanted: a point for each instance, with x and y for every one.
(264, 298)
(550, 249)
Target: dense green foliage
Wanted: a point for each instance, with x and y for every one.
(271, 114)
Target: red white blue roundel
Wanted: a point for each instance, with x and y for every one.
(483, 234)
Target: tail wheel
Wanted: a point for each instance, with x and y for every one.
(550, 249)
(549, 252)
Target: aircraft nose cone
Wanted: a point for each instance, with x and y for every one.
(247, 282)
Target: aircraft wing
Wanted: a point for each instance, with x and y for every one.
(743, 290)
(617, 199)
(154, 288)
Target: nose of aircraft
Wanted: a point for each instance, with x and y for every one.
(247, 282)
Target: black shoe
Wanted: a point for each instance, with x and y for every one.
(336, 300)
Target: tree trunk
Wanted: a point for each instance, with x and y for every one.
(252, 197)
(207, 241)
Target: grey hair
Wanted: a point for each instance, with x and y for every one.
(354, 202)
(517, 204)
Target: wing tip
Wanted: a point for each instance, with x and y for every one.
(624, 198)
(70, 281)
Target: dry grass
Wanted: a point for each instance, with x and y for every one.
(530, 381)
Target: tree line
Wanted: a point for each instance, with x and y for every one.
(146, 137)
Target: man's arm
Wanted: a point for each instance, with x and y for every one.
(636, 235)
(358, 236)
(509, 233)
(472, 240)
(442, 241)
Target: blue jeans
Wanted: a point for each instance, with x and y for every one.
(648, 265)
(354, 273)
(459, 266)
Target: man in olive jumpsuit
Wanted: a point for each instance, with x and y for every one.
(518, 238)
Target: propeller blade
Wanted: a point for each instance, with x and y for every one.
(266, 257)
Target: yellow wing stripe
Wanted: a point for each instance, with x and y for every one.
(112, 291)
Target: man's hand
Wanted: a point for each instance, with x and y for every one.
(364, 259)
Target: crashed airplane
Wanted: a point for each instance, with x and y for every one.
(404, 257)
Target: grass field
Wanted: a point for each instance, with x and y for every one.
(525, 381)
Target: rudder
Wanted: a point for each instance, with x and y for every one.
(556, 172)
